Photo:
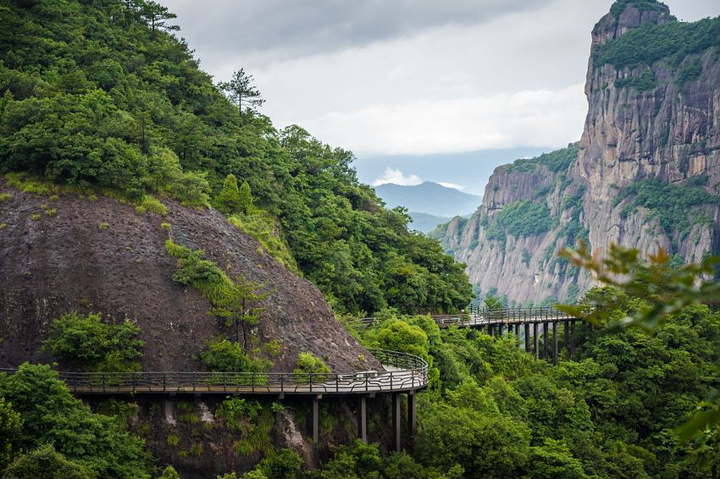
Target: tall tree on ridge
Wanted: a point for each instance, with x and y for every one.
(240, 90)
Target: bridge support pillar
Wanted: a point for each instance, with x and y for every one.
(412, 417)
(491, 330)
(546, 341)
(517, 331)
(316, 419)
(571, 345)
(555, 343)
(396, 421)
(362, 419)
(527, 337)
(566, 332)
(536, 340)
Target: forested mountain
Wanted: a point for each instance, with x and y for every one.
(646, 172)
(100, 95)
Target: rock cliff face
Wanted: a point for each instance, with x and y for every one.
(72, 254)
(646, 173)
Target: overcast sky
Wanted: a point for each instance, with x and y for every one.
(411, 78)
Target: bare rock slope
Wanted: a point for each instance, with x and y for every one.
(103, 256)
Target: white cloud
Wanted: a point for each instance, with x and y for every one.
(531, 118)
(415, 82)
(454, 186)
(395, 176)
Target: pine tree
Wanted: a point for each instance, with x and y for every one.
(229, 200)
(245, 198)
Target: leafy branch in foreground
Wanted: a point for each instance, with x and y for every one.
(667, 290)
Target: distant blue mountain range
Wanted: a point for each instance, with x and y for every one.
(430, 204)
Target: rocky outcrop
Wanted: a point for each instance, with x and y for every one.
(69, 253)
(653, 120)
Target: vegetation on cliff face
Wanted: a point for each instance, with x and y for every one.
(555, 161)
(672, 41)
(672, 205)
(102, 96)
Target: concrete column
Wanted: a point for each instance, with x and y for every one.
(566, 330)
(491, 329)
(555, 343)
(546, 341)
(316, 419)
(527, 337)
(517, 331)
(397, 421)
(536, 340)
(412, 418)
(362, 419)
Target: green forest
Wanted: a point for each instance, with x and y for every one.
(100, 97)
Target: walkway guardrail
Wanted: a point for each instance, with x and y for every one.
(481, 317)
(408, 372)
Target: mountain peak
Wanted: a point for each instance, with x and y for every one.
(626, 15)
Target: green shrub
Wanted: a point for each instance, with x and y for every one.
(170, 473)
(46, 463)
(87, 341)
(204, 275)
(152, 205)
(5, 197)
(235, 410)
(284, 464)
(223, 355)
(267, 231)
(309, 363)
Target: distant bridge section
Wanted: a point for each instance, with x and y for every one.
(525, 323)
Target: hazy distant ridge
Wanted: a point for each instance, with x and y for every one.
(430, 198)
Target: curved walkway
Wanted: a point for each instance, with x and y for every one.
(405, 372)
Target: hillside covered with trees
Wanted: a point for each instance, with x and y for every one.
(101, 95)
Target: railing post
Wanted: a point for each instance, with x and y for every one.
(103, 382)
(193, 381)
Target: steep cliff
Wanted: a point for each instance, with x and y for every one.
(646, 172)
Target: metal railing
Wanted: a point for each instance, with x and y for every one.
(409, 373)
(475, 316)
